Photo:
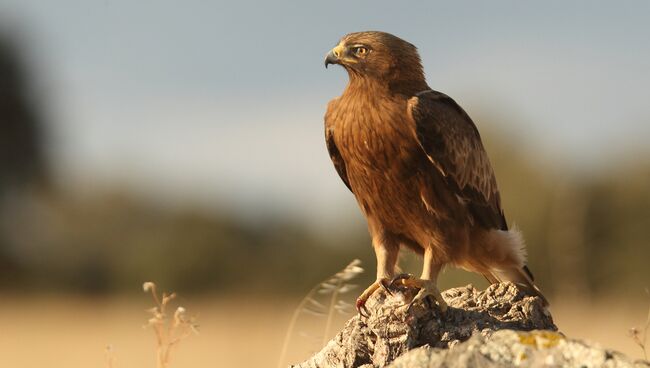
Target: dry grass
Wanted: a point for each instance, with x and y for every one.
(640, 336)
(169, 331)
(247, 331)
(109, 356)
(334, 287)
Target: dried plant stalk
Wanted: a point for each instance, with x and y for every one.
(336, 285)
(641, 338)
(109, 356)
(168, 331)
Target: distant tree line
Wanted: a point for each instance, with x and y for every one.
(22, 157)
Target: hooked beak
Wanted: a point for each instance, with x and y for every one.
(334, 56)
(331, 59)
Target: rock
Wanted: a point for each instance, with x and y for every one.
(498, 327)
(508, 348)
(392, 330)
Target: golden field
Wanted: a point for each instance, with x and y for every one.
(73, 332)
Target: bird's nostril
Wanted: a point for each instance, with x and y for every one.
(336, 53)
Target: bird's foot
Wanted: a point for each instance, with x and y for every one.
(426, 288)
(384, 283)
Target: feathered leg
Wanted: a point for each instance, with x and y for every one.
(386, 251)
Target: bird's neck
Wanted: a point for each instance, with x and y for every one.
(370, 86)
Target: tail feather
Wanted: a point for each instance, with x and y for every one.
(530, 274)
(522, 277)
(503, 258)
(490, 278)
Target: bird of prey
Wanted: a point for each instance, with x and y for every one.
(415, 162)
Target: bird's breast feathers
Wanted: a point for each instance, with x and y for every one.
(373, 135)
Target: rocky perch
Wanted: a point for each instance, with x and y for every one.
(498, 327)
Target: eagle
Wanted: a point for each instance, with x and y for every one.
(416, 165)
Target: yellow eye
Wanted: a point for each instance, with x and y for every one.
(360, 51)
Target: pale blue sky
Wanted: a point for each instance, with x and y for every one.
(223, 102)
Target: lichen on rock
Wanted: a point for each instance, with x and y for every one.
(508, 348)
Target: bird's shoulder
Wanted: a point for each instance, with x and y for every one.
(330, 113)
(439, 108)
(442, 126)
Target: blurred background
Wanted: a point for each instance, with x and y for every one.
(183, 143)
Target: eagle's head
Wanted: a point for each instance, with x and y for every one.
(377, 55)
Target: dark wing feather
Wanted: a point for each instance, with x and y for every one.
(335, 155)
(451, 141)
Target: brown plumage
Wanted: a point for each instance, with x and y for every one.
(416, 165)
